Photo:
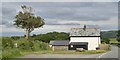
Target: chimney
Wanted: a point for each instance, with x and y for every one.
(84, 27)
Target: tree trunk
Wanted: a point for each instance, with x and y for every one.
(27, 34)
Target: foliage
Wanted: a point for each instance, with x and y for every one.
(7, 43)
(118, 38)
(26, 19)
(109, 34)
(106, 40)
(51, 36)
(0, 47)
(11, 53)
(114, 41)
(16, 37)
(9, 50)
(24, 44)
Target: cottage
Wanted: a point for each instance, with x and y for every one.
(87, 38)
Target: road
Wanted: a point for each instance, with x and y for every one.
(111, 54)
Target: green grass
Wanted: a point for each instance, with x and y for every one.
(71, 52)
(113, 40)
(11, 53)
(16, 53)
(0, 47)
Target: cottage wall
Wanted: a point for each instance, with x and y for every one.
(93, 42)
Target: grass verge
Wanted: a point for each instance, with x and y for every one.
(16, 53)
(72, 52)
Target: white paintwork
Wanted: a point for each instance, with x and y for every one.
(93, 42)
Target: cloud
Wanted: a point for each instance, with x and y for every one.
(59, 0)
(63, 14)
(78, 11)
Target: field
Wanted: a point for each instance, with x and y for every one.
(0, 47)
(113, 40)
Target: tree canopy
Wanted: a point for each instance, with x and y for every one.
(27, 20)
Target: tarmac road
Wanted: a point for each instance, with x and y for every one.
(112, 54)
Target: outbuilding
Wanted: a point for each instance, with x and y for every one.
(59, 44)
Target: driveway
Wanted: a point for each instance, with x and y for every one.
(112, 54)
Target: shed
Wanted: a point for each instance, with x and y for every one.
(59, 44)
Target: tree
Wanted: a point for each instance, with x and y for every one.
(118, 36)
(106, 40)
(26, 20)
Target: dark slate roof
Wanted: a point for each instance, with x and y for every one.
(59, 42)
(85, 31)
(78, 43)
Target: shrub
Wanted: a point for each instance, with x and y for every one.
(106, 40)
(118, 45)
(24, 44)
(39, 45)
(32, 45)
(15, 37)
(11, 53)
(7, 43)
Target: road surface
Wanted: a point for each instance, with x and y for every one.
(111, 54)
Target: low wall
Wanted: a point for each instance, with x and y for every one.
(54, 48)
(104, 46)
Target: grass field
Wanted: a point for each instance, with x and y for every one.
(113, 40)
(0, 47)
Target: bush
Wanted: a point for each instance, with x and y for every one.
(31, 45)
(118, 45)
(15, 37)
(7, 43)
(11, 53)
(39, 45)
(23, 46)
(106, 40)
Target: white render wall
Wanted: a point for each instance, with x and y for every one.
(93, 42)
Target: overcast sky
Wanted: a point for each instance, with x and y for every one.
(61, 16)
(60, 0)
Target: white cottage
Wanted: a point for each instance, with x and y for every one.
(86, 37)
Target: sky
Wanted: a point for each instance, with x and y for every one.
(61, 16)
(60, 0)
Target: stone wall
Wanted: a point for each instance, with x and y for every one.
(60, 48)
(104, 46)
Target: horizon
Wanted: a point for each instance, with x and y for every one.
(23, 33)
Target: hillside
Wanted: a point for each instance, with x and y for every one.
(109, 34)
